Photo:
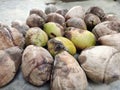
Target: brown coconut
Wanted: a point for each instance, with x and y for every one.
(10, 37)
(91, 21)
(76, 11)
(111, 40)
(10, 60)
(77, 23)
(97, 11)
(38, 12)
(20, 26)
(35, 20)
(101, 63)
(67, 74)
(57, 18)
(62, 12)
(106, 28)
(36, 65)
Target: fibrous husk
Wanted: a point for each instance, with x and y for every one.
(35, 20)
(50, 9)
(36, 65)
(101, 63)
(110, 17)
(20, 26)
(76, 11)
(77, 23)
(36, 36)
(17, 38)
(57, 18)
(106, 28)
(91, 21)
(67, 74)
(62, 12)
(10, 60)
(97, 11)
(38, 12)
(10, 37)
(5, 37)
(111, 40)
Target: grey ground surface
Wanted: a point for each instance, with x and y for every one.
(19, 9)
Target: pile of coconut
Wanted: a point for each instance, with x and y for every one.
(65, 47)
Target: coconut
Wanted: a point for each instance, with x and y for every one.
(106, 28)
(38, 12)
(50, 9)
(5, 37)
(81, 38)
(97, 11)
(58, 44)
(36, 65)
(20, 26)
(76, 11)
(53, 29)
(35, 20)
(101, 63)
(67, 74)
(110, 17)
(10, 37)
(57, 18)
(36, 36)
(62, 12)
(17, 38)
(10, 60)
(77, 23)
(91, 21)
(111, 40)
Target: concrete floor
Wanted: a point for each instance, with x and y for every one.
(19, 9)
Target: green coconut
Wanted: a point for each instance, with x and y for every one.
(81, 38)
(53, 29)
(59, 44)
(36, 36)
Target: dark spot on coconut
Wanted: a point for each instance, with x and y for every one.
(68, 34)
(52, 35)
(115, 77)
(43, 67)
(59, 47)
(82, 59)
